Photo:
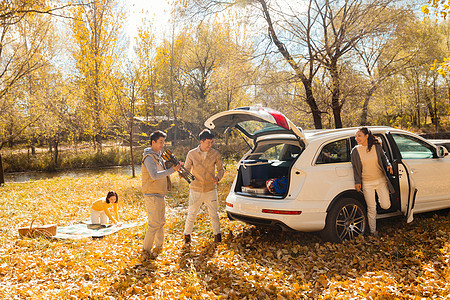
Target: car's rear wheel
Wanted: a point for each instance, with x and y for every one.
(346, 220)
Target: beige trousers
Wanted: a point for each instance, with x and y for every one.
(382, 190)
(156, 209)
(196, 199)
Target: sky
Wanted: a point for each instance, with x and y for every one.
(158, 11)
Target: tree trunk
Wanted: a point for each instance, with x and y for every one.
(56, 151)
(96, 88)
(365, 108)
(418, 116)
(336, 112)
(33, 146)
(436, 116)
(430, 109)
(172, 98)
(133, 174)
(418, 104)
(227, 134)
(335, 95)
(2, 176)
(317, 115)
(93, 141)
(98, 142)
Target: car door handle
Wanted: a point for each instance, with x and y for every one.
(413, 171)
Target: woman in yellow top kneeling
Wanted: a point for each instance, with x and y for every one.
(100, 209)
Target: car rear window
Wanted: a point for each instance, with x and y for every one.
(257, 127)
(276, 151)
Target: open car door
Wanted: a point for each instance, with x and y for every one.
(407, 190)
(254, 122)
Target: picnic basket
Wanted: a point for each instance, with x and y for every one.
(45, 230)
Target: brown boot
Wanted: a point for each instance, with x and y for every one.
(218, 238)
(187, 238)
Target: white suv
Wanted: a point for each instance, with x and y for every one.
(311, 186)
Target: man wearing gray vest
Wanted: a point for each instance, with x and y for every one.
(155, 185)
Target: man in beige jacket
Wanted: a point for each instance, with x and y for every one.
(205, 163)
(155, 180)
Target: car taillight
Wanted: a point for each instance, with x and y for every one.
(280, 119)
(229, 204)
(282, 212)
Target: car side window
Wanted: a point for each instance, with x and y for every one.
(334, 152)
(412, 148)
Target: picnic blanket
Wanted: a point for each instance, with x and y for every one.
(85, 229)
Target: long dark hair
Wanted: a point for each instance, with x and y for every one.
(110, 194)
(371, 140)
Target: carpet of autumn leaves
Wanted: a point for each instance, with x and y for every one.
(407, 261)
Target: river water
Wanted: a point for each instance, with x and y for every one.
(30, 176)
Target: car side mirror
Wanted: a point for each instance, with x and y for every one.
(442, 151)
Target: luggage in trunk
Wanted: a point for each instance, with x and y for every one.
(254, 172)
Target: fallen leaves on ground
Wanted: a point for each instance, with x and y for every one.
(407, 261)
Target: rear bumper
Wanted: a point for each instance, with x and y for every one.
(250, 211)
(259, 221)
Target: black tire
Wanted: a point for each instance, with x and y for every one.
(346, 220)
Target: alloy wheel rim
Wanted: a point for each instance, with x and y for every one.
(350, 222)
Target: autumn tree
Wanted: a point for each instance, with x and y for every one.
(382, 54)
(126, 88)
(440, 10)
(145, 51)
(203, 57)
(24, 49)
(59, 119)
(300, 27)
(216, 68)
(233, 77)
(172, 57)
(342, 27)
(426, 40)
(20, 52)
(96, 31)
(167, 82)
(195, 69)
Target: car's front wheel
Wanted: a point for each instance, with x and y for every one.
(346, 220)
